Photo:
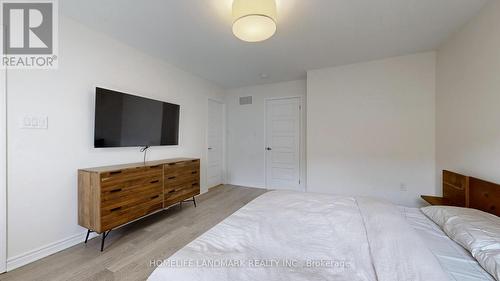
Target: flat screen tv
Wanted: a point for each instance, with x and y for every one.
(123, 120)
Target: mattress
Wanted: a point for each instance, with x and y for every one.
(455, 260)
(305, 237)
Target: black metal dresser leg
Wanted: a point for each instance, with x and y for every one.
(104, 235)
(190, 200)
(87, 237)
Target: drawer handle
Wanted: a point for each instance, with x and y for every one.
(171, 191)
(155, 181)
(116, 190)
(171, 178)
(194, 161)
(194, 172)
(171, 164)
(115, 172)
(194, 184)
(116, 209)
(154, 167)
(154, 197)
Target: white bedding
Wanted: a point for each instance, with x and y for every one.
(455, 260)
(303, 236)
(475, 230)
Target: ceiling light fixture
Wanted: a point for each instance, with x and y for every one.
(254, 20)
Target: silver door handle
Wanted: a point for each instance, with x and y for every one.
(210, 148)
(268, 148)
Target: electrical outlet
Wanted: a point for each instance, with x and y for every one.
(35, 122)
(403, 187)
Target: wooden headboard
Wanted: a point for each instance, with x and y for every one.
(455, 188)
(484, 196)
(464, 191)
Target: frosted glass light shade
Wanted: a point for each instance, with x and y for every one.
(254, 20)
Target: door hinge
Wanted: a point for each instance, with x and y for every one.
(300, 107)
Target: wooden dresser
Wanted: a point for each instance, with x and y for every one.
(109, 197)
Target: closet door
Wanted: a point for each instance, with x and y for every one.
(215, 140)
(283, 143)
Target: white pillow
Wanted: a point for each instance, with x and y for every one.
(476, 231)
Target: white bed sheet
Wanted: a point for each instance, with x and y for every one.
(357, 238)
(455, 260)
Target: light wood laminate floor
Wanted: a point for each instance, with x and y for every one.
(130, 249)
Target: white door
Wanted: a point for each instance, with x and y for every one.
(215, 143)
(3, 171)
(283, 143)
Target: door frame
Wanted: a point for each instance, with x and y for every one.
(3, 175)
(302, 140)
(224, 160)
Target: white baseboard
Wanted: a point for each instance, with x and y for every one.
(52, 248)
(45, 251)
(247, 185)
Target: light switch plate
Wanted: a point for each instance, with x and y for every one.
(35, 122)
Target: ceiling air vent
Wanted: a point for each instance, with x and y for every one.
(245, 100)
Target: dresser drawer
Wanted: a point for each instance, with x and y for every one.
(130, 184)
(189, 165)
(108, 207)
(119, 195)
(178, 179)
(119, 216)
(126, 175)
(181, 192)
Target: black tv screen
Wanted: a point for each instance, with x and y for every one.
(123, 120)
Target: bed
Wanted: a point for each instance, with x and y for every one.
(285, 235)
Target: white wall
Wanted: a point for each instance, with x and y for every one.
(468, 98)
(42, 211)
(3, 171)
(246, 154)
(371, 128)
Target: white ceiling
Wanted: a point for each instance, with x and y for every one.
(195, 35)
